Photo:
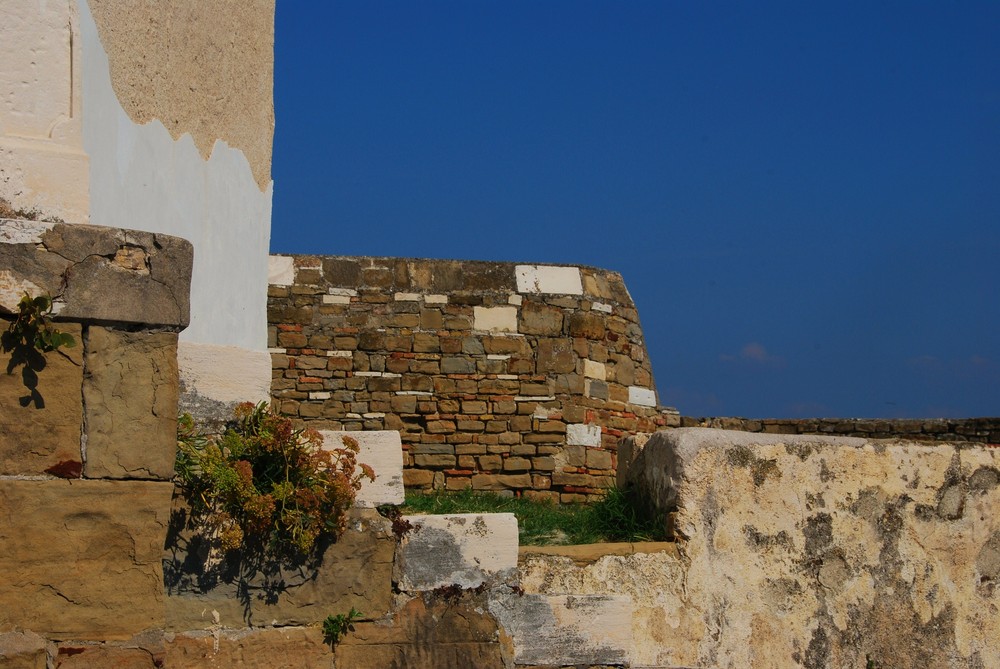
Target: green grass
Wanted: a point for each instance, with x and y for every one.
(617, 517)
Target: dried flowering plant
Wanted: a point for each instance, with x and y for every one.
(265, 485)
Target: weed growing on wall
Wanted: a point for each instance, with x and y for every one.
(28, 337)
(265, 485)
(334, 627)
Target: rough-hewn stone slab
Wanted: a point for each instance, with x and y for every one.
(382, 450)
(81, 559)
(548, 279)
(42, 436)
(98, 273)
(281, 648)
(432, 634)
(355, 571)
(459, 549)
(130, 402)
(22, 650)
(559, 630)
(818, 551)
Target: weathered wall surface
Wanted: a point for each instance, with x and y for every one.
(43, 166)
(982, 430)
(805, 551)
(87, 442)
(178, 120)
(498, 376)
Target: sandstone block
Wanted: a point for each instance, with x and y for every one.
(540, 319)
(280, 648)
(355, 571)
(81, 559)
(587, 324)
(42, 435)
(461, 549)
(578, 434)
(130, 403)
(457, 365)
(555, 355)
(641, 396)
(22, 650)
(495, 319)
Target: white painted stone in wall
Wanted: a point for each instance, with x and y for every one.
(227, 374)
(495, 319)
(644, 397)
(595, 370)
(548, 279)
(466, 549)
(280, 270)
(382, 450)
(578, 434)
(559, 630)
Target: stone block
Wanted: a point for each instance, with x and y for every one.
(430, 634)
(845, 546)
(555, 355)
(82, 559)
(280, 270)
(560, 630)
(579, 434)
(587, 324)
(356, 570)
(453, 364)
(495, 319)
(382, 450)
(462, 549)
(43, 435)
(598, 459)
(595, 370)
(643, 397)
(22, 650)
(541, 319)
(149, 274)
(280, 648)
(548, 279)
(417, 478)
(130, 403)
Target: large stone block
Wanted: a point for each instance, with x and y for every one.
(382, 450)
(22, 650)
(280, 648)
(559, 630)
(356, 570)
(82, 559)
(432, 634)
(130, 403)
(41, 434)
(820, 551)
(460, 549)
(98, 273)
(548, 279)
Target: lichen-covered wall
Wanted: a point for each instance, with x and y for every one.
(498, 376)
(808, 551)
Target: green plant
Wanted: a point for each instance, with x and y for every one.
(542, 522)
(337, 626)
(29, 336)
(264, 485)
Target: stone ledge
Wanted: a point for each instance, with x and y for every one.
(96, 273)
(583, 554)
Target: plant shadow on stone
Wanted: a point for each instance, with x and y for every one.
(28, 337)
(261, 503)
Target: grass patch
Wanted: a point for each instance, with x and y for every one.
(617, 517)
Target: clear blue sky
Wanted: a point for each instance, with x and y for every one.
(803, 198)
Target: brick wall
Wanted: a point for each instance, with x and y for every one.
(985, 430)
(498, 376)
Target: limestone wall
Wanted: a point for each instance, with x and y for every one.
(982, 430)
(498, 376)
(808, 551)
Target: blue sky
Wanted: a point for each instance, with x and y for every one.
(803, 198)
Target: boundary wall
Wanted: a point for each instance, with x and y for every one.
(499, 376)
(982, 430)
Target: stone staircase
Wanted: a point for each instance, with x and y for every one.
(605, 605)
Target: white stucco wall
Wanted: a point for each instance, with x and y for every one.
(143, 179)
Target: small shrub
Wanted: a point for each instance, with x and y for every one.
(263, 484)
(334, 627)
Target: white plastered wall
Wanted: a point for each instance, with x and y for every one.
(141, 178)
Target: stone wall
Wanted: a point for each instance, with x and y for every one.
(87, 441)
(498, 376)
(982, 430)
(811, 551)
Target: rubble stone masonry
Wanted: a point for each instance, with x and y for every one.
(498, 376)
